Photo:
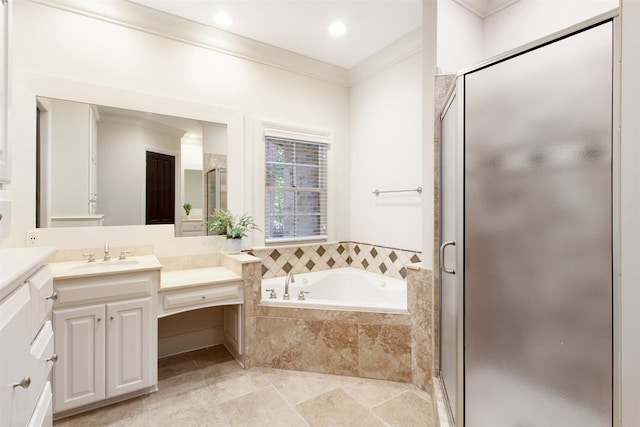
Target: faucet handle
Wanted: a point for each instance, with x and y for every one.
(91, 256)
(301, 295)
(123, 255)
(272, 293)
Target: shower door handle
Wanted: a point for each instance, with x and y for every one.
(442, 263)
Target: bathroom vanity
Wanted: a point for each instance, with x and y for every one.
(26, 337)
(105, 320)
(105, 325)
(192, 289)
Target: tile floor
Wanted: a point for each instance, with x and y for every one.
(209, 388)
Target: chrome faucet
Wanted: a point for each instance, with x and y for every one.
(289, 279)
(107, 257)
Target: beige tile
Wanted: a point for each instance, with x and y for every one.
(61, 423)
(175, 365)
(233, 385)
(384, 351)
(330, 347)
(278, 342)
(297, 387)
(174, 387)
(190, 411)
(260, 408)
(110, 415)
(210, 356)
(406, 410)
(336, 408)
(373, 392)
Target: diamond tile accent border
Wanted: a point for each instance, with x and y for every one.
(279, 261)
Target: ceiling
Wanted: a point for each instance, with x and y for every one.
(301, 26)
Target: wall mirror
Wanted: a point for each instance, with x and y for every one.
(106, 166)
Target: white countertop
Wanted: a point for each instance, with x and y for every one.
(75, 269)
(170, 280)
(16, 265)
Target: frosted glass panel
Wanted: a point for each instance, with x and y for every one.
(448, 281)
(538, 280)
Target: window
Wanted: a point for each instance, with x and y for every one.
(296, 189)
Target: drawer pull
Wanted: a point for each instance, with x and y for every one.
(53, 358)
(53, 296)
(25, 383)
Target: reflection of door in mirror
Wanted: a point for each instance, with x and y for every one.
(160, 189)
(216, 190)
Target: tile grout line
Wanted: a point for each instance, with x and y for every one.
(287, 401)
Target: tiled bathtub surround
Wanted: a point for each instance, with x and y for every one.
(387, 346)
(367, 345)
(306, 258)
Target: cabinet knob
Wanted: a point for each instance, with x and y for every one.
(111, 318)
(0, 217)
(53, 358)
(53, 296)
(25, 383)
(99, 319)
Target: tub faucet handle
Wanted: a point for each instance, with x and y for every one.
(123, 255)
(272, 293)
(91, 256)
(301, 295)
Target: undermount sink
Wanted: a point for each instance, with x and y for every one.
(105, 265)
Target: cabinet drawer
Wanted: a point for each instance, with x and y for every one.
(43, 414)
(103, 288)
(203, 296)
(41, 359)
(41, 287)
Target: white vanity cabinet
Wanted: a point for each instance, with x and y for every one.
(106, 338)
(26, 337)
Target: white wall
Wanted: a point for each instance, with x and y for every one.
(529, 20)
(386, 154)
(214, 138)
(460, 37)
(122, 166)
(69, 172)
(98, 62)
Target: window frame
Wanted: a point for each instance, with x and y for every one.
(306, 136)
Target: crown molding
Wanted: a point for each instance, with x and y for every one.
(401, 49)
(151, 21)
(485, 12)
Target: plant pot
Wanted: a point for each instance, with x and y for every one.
(234, 246)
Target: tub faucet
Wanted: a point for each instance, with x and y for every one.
(289, 279)
(107, 257)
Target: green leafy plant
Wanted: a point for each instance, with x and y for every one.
(187, 208)
(223, 222)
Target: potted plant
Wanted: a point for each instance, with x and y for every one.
(223, 222)
(187, 208)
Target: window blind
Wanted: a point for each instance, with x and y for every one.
(296, 189)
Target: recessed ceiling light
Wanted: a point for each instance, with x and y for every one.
(337, 29)
(222, 18)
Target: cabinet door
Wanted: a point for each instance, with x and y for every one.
(15, 325)
(129, 346)
(79, 374)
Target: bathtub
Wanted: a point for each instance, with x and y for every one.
(348, 289)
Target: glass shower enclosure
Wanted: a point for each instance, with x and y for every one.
(526, 261)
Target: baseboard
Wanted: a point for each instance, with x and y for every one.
(190, 341)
